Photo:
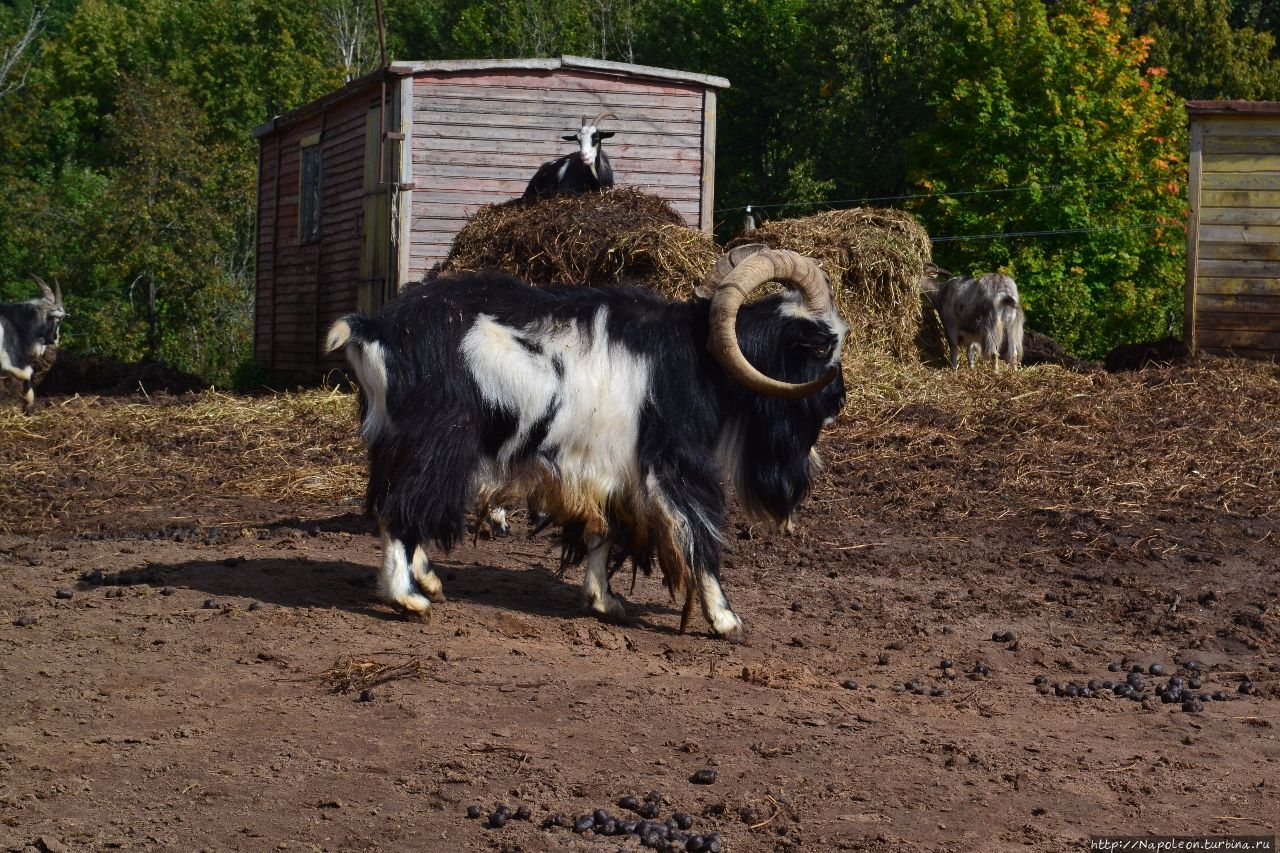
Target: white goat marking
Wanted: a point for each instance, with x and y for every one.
(597, 399)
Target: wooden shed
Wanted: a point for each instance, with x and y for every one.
(341, 228)
(1233, 228)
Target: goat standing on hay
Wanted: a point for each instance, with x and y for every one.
(622, 412)
(981, 315)
(27, 329)
(574, 174)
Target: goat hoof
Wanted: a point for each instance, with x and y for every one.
(736, 635)
(423, 616)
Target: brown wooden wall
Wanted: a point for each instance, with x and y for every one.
(477, 137)
(1233, 244)
(304, 287)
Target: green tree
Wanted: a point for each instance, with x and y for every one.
(1058, 102)
(1206, 57)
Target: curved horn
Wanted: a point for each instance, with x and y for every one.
(44, 288)
(600, 117)
(795, 271)
(725, 265)
(57, 291)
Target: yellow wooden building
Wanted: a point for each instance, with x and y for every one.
(1233, 228)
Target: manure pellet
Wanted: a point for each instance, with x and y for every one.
(628, 827)
(599, 816)
(583, 824)
(168, 590)
(609, 827)
(25, 621)
(366, 695)
(210, 603)
(946, 663)
(1221, 696)
(555, 820)
(473, 812)
(504, 808)
(1192, 665)
(629, 802)
(1137, 667)
(653, 797)
(1245, 687)
(1156, 669)
(1113, 667)
(1040, 679)
(523, 813)
(650, 810)
(498, 819)
(684, 821)
(1194, 684)
(706, 776)
(93, 577)
(255, 605)
(1192, 707)
(1094, 684)
(64, 593)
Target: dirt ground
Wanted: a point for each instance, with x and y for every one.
(190, 696)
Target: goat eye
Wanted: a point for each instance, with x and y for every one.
(822, 352)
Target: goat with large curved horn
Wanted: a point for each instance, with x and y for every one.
(796, 271)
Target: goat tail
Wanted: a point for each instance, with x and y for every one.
(353, 328)
(1013, 317)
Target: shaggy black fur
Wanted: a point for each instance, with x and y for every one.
(421, 468)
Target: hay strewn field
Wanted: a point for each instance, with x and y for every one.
(194, 656)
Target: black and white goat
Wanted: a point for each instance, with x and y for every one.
(623, 414)
(27, 329)
(983, 316)
(574, 174)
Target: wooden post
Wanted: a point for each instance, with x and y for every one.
(707, 213)
(1193, 231)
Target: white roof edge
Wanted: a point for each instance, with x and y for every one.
(580, 62)
(644, 71)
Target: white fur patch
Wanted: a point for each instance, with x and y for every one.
(598, 399)
(370, 364)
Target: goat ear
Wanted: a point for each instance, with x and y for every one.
(605, 134)
(570, 138)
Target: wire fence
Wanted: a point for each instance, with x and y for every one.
(955, 238)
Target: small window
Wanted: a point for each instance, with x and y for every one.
(309, 193)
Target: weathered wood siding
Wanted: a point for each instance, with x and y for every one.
(1233, 242)
(303, 287)
(477, 138)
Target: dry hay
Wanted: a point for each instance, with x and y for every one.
(1115, 459)
(621, 234)
(874, 258)
(82, 460)
(348, 675)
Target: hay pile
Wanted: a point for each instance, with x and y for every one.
(874, 257)
(601, 238)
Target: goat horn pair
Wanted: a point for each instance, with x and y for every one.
(599, 118)
(757, 266)
(51, 295)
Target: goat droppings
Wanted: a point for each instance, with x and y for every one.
(706, 776)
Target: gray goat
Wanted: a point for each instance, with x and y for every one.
(981, 315)
(27, 330)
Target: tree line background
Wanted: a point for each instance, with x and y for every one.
(128, 169)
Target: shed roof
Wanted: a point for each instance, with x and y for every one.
(405, 69)
(1196, 108)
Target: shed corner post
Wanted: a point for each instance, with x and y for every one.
(1195, 165)
(706, 213)
(405, 187)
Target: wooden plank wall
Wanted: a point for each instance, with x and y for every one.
(478, 137)
(1234, 247)
(304, 287)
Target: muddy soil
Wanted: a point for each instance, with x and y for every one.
(164, 679)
